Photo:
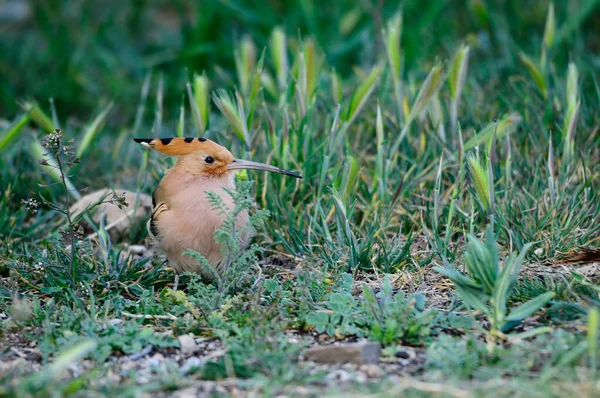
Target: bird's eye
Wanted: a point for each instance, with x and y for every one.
(209, 159)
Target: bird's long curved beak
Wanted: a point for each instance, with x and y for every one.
(239, 164)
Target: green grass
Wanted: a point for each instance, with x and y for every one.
(414, 131)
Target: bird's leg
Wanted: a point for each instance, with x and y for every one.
(176, 282)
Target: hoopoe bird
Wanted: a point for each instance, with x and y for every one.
(182, 216)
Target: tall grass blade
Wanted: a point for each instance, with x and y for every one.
(437, 116)
(202, 101)
(392, 36)
(245, 63)
(456, 81)
(362, 94)
(508, 163)
(380, 174)
(278, 44)
(506, 126)
(159, 106)
(92, 130)
(38, 116)
(530, 307)
(479, 179)
(430, 86)
(569, 140)
(573, 106)
(230, 108)
(9, 134)
(536, 74)
(549, 33)
(312, 67)
(181, 123)
(551, 173)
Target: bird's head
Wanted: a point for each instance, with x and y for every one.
(205, 157)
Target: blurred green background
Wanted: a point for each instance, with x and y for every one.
(87, 53)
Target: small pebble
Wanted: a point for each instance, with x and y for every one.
(187, 344)
(402, 355)
(372, 371)
(190, 364)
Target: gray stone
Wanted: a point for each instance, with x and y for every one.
(187, 344)
(358, 353)
(116, 220)
(372, 371)
(190, 364)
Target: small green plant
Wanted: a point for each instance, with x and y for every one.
(341, 317)
(255, 344)
(466, 357)
(486, 287)
(384, 316)
(128, 337)
(47, 379)
(58, 160)
(394, 317)
(241, 260)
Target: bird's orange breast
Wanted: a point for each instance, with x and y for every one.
(190, 221)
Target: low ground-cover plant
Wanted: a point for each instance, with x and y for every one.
(467, 357)
(486, 287)
(385, 316)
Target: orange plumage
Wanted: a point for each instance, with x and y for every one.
(182, 217)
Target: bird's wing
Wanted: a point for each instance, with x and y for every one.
(159, 207)
(159, 195)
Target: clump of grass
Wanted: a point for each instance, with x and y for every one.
(232, 108)
(245, 62)
(538, 69)
(486, 287)
(386, 316)
(199, 100)
(427, 91)
(92, 130)
(392, 36)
